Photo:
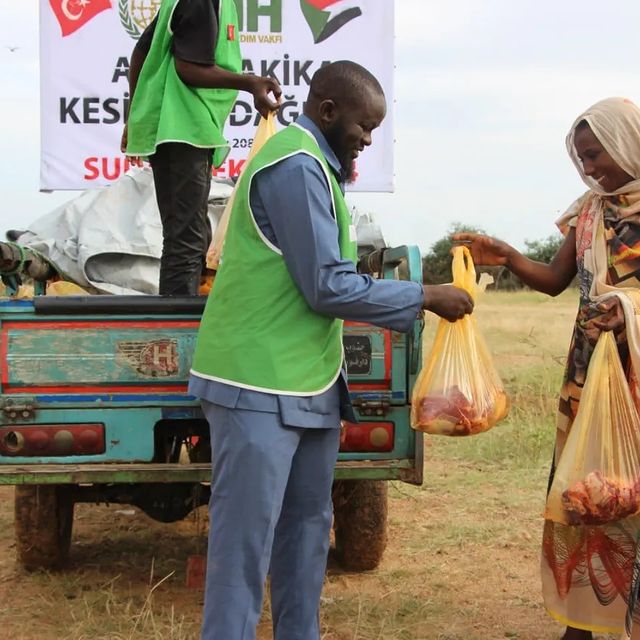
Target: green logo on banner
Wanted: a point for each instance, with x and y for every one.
(136, 15)
(324, 17)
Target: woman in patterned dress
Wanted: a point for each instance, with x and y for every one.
(588, 572)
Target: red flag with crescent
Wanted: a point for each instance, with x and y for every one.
(73, 14)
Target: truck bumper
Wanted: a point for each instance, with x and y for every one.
(403, 470)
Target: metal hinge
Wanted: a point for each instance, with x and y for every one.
(371, 407)
(19, 411)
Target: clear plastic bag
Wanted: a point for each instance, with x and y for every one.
(266, 128)
(597, 479)
(459, 392)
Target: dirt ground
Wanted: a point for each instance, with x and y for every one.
(462, 563)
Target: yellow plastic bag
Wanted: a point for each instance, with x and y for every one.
(25, 292)
(597, 479)
(459, 392)
(64, 288)
(266, 128)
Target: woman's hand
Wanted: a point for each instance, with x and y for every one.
(611, 316)
(605, 316)
(485, 250)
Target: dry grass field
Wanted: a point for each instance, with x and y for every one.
(462, 560)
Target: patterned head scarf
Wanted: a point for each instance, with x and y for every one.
(616, 124)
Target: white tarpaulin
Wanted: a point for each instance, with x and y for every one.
(110, 240)
(84, 57)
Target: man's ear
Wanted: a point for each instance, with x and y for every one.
(327, 112)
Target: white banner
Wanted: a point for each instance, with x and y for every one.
(84, 57)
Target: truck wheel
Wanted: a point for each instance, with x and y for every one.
(360, 523)
(43, 523)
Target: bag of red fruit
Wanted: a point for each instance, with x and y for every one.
(597, 479)
(459, 392)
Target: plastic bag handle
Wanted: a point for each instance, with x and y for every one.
(266, 129)
(463, 269)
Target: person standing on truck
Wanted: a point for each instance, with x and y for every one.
(184, 77)
(268, 364)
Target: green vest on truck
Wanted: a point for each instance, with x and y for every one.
(165, 109)
(257, 330)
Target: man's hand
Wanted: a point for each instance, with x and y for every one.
(261, 88)
(371, 262)
(134, 160)
(484, 250)
(447, 301)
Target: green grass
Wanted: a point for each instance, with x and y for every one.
(462, 561)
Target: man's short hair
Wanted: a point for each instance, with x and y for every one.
(343, 81)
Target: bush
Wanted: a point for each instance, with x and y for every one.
(436, 264)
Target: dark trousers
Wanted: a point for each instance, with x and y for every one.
(182, 177)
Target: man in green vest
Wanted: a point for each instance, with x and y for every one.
(268, 364)
(184, 77)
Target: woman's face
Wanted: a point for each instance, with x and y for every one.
(596, 162)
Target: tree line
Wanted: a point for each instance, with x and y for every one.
(436, 264)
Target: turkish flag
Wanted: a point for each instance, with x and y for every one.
(73, 14)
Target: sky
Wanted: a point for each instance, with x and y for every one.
(485, 92)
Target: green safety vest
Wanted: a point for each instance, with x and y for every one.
(257, 330)
(165, 109)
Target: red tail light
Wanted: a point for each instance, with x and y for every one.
(52, 440)
(366, 436)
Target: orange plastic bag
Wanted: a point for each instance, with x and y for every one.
(266, 128)
(597, 479)
(64, 288)
(459, 392)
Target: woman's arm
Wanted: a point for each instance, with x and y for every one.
(552, 278)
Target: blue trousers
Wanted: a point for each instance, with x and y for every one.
(270, 509)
